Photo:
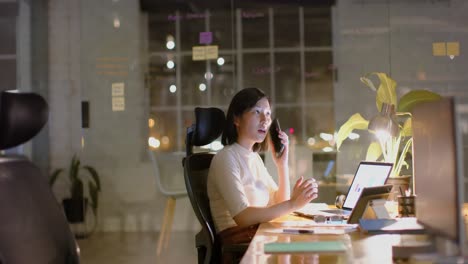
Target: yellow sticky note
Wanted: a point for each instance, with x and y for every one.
(198, 53)
(453, 48)
(118, 89)
(438, 49)
(211, 52)
(118, 103)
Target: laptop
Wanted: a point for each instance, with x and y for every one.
(368, 174)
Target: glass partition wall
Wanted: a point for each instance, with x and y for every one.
(308, 59)
(131, 63)
(285, 50)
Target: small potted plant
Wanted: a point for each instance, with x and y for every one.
(394, 148)
(75, 205)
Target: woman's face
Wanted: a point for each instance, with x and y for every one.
(252, 126)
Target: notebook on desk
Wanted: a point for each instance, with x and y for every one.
(368, 174)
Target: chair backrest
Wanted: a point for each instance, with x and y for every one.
(33, 228)
(209, 124)
(175, 193)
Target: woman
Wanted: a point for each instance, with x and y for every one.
(241, 191)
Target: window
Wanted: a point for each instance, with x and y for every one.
(284, 51)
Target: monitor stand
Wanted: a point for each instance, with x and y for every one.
(444, 251)
(408, 248)
(446, 248)
(376, 209)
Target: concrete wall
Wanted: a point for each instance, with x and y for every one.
(88, 53)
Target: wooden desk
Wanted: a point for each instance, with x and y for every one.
(362, 248)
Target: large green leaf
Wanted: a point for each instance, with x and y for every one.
(356, 121)
(386, 93)
(74, 168)
(93, 192)
(374, 151)
(94, 175)
(412, 98)
(407, 130)
(54, 176)
(368, 82)
(401, 161)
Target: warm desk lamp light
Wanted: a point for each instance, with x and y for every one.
(384, 124)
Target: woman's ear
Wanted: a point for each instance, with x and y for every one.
(236, 121)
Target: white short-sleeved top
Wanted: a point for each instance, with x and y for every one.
(237, 179)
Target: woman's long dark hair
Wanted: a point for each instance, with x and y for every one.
(244, 100)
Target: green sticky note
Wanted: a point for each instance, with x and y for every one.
(303, 247)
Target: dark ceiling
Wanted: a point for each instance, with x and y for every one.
(199, 5)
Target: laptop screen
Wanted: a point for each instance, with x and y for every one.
(368, 174)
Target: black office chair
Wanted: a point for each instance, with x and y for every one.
(209, 124)
(33, 228)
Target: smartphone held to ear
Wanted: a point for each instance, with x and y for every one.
(274, 134)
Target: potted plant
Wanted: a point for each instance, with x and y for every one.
(75, 206)
(391, 148)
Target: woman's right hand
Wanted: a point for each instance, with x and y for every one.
(304, 191)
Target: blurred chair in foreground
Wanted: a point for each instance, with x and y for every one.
(33, 227)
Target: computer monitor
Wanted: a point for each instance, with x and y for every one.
(438, 170)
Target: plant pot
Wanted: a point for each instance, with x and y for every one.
(75, 209)
(400, 185)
